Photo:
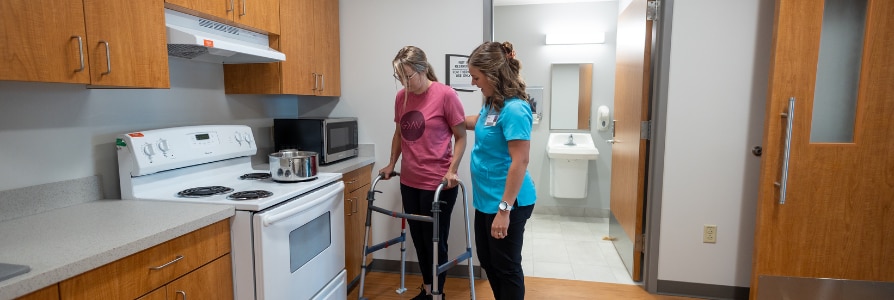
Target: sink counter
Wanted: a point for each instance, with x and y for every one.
(61, 243)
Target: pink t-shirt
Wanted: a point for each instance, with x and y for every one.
(426, 136)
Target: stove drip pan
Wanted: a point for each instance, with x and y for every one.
(249, 195)
(204, 191)
(255, 176)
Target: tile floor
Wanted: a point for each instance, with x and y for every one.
(571, 248)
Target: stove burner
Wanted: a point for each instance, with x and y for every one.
(249, 195)
(255, 176)
(204, 191)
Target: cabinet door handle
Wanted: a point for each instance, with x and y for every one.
(243, 8)
(108, 59)
(80, 51)
(350, 211)
(179, 257)
(232, 6)
(182, 293)
(322, 82)
(354, 206)
(315, 81)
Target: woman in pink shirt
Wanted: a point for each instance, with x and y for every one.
(428, 116)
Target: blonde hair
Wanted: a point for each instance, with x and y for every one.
(415, 58)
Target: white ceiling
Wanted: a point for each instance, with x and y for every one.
(526, 2)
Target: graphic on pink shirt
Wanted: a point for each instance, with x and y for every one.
(412, 125)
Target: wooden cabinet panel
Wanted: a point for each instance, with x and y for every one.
(310, 40)
(357, 184)
(40, 41)
(213, 281)
(47, 293)
(257, 15)
(126, 43)
(142, 272)
(157, 294)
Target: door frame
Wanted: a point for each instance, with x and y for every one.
(661, 43)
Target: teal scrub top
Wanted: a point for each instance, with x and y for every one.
(490, 156)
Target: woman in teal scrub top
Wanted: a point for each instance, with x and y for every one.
(502, 189)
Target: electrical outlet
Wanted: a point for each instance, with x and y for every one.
(710, 234)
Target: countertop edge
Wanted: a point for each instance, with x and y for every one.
(27, 283)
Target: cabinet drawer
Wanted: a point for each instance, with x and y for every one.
(149, 269)
(357, 178)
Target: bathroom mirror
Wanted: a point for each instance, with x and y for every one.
(571, 89)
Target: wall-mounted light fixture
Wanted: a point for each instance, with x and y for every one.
(575, 38)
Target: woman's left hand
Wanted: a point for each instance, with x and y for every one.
(500, 228)
(451, 179)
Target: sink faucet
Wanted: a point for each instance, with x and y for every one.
(570, 141)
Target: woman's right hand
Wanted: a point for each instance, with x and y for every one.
(386, 172)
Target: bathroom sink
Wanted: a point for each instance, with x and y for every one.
(571, 146)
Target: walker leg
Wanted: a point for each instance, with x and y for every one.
(403, 256)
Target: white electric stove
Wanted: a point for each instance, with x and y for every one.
(288, 237)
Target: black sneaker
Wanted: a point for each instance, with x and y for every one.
(422, 295)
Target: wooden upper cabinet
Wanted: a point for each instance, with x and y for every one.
(43, 40)
(310, 40)
(126, 43)
(79, 41)
(258, 15)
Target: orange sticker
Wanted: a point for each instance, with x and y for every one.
(209, 43)
(135, 134)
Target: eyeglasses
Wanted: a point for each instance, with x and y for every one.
(408, 77)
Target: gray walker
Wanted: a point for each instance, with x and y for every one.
(436, 210)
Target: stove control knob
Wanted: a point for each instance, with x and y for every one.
(148, 150)
(238, 138)
(247, 137)
(163, 146)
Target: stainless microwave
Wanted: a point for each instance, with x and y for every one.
(333, 139)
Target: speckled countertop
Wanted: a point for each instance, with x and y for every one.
(61, 243)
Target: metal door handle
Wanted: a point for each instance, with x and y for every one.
(350, 211)
(108, 59)
(322, 82)
(315, 81)
(790, 116)
(80, 51)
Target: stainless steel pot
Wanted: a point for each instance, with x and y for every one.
(291, 165)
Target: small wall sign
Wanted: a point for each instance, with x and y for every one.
(458, 76)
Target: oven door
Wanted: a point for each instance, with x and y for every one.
(300, 245)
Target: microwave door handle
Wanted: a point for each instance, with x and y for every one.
(269, 220)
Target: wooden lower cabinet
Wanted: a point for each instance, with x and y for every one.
(197, 263)
(212, 281)
(47, 293)
(357, 184)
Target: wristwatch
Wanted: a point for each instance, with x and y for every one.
(504, 206)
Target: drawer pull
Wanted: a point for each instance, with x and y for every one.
(179, 257)
(182, 293)
(352, 181)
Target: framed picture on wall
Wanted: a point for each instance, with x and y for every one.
(458, 76)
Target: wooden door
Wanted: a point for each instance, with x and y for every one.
(298, 30)
(126, 43)
(328, 45)
(632, 82)
(838, 210)
(43, 40)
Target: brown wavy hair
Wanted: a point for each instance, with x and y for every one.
(498, 63)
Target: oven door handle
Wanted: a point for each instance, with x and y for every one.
(269, 220)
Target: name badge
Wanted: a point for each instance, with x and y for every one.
(491, 120)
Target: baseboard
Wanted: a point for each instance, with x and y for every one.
(701, 290)
(393, 266)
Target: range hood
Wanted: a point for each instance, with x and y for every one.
(199, 39)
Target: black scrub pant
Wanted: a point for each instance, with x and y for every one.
(419, 202)
(501, 258)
